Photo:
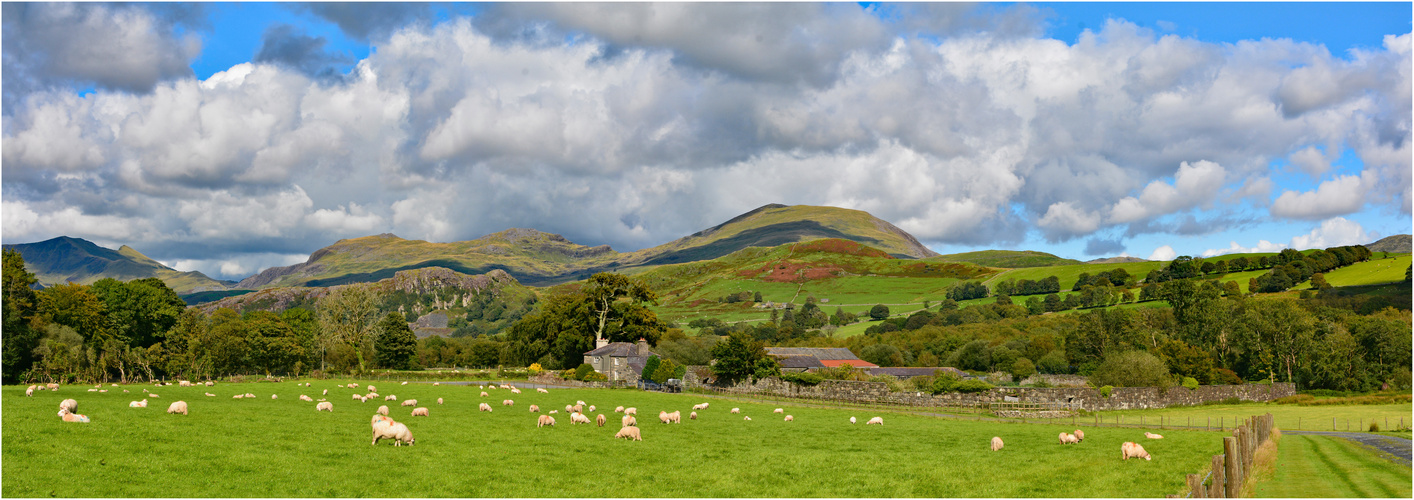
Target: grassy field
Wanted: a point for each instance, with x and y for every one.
(1068, 274)
(1371, 272)
(284, 448)
(1327, 467)
(1311, 418)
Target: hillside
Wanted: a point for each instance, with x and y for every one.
(1116, 260)
(64, 259)
(1008, 259)
(1399, 243)
(539, 259)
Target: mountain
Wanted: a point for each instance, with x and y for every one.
(1009, 259)
(537, 258)
(1116, 260)
(64, 259)
(1399, 243)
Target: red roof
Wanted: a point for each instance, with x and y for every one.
(857, 363)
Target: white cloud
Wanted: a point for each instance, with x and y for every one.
(353, 220)
(1163, 253)
(1342, 195)
(1263, 246)
(1063, 219)
(1333, 232)
(1311, 160)
(1194, 184)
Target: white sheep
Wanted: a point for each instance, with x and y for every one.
(664, 418)
(790, 418)
(371, 395)
(305, 397)
(508, 402)
(52, 387)
(363, 399)
(405, 382)
(103, 390)
(676, 416)
(579, 408)
(154, 395)
(439, 400)
(579, 403)
(1079, 435)
(600, 420)
(383, 410)
(541, 390)
(618, 409)
(483, 394)
(515, 391)
(420, 411)
(178, 407)
(736, 410)
(535, 408)
(778, 410)
(326, 392)
(324, 406)
(629, 421)
(210, 395)
(875, 421)
(30, 391)
(353, 385)
(1130, 450)
(372, 389)
(69, 404)
(569, 408)
(239, 396)
(138, 404)
(274, 396)
(93, 390)
(485, 407)
(748, 419)
(692, 416)
(996, 443)
(851, 420)
(249, 395)
(72, 417)
(436, 383)
(210, 383)
(630, 433)
(591, 408)
(391, 397)
(410, 402)
(1068, 439)
(578, 418)
(552, 412)
(630, 411)
(396, 431)
(357, 397)
(1151, 435)
(545, 420)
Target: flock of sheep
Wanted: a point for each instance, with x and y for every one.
(384, 427)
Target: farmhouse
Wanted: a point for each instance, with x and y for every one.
(827, 357)
(619, 360)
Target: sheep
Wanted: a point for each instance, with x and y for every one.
(569, 408)
(363, 399)
(372, 389)
(579, 403)
(1068, 439)
(303, 397)
(210, 383)
(125, 391)
(996, 443)
(103, 390)
(591, 408)
(391, 397)
(790, 418)
(436, 383)
(396, 431)
(249, 395)
(1079, 435)
(629, 421)
(736, 410)
(383, 410)
(30, 391)
(485, 407)
(138, 404)
(52, 387)
(618, 409)
(357, 397)
(552, 412)
(326, 392)
(631, 433)
(541, 390)
(579, 408)
(274, 396)
(154, 395)
(515, 391)
(420, 411)
(210, 395)
(778, 410)
(178, 407)
(578, 418)
(439, 400)
(324, 406)
(183, 383)
(600, 420)
(93, 390)
(663, 417)
(409, 402)
(875, 421)
(1132, 450)
(748, 419)
(535, 408)
(371, 395)
(545, 420)
(353, 386)
(239, 396)
(692, 416)
(508, 402)
(676, 416)
(72, 417)
(1152, 435)
(69, 404)
(696, 407)
(483, 394)
(405, 382)
(851, 420)
(630, 411)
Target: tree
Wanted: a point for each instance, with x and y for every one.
(140, 311)
(882, 355)
(1022, 368)
(737, 357)
(1318, 282)
(879, 312)
(347, 315)
(75, 306)
(1131, 369)
(1053, 362)
(274, 346)
(666, 370)
(20, 303)
(619, 305)
(650, 368)
(756, 297)
(396, 345)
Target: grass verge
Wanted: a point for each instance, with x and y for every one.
(1314, 466)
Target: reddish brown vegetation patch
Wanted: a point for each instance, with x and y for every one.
(789, 272)
(846, 247)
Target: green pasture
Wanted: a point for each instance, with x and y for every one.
(284, 448)
(1287, 416)
(1069, 274)
(1313, 466)
(1371, 272)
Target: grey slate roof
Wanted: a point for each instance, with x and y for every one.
(820, 353)
(801, 362)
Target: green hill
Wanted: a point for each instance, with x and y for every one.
(539, 259)
(64, 259)
(1007, 259)
(1399, 243)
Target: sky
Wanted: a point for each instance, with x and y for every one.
(231, 137)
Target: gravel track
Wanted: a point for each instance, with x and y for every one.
(1395, 449)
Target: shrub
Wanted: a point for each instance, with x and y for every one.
(895, 385)
(1132, 369)
(583, 371)
(1374, 427)
(1105, 391)
(1191, 383)
(802, 378)
(1224, 376)
(1021, 369)
(535, 368)
(972, 386)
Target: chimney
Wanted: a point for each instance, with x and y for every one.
(642, 347)
(600, 342)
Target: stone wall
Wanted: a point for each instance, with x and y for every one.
(548, 379)
(1121, 398)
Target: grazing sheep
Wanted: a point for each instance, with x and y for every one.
(545, 420)
(363, 399)
(1079, 435)
(420, 411)
(138, 404)
(578, 418)
(210, 383)
(664, 418)
(541, 390)
(600, 420)
(239, 396)
(485, 407)
(439, 400)
(508, 402)
(851, 420)
(875, 421)
(353, 386)
(996, 443)
(325, 406)
(736, 410)
(631, 433)
(676, 416)
(249, 395)
(569, 408)
(371, 395)
(552, 412)
(515, 391)
(371, 388)
(69, 404)
(210, 395)
(154, 395)
(535, 408)
(436, 383)
(405, 382)
(696, 407)
(579, 403)
(273, 396)
(778, 410)
(618, 409)
(790, 418)
(303, 397)
(630, 411)
(579, 408)
(326, 392)
(396, 431)
(52, 387)
(1152, 435)
(1068, 439)
(591, 408)
(30, 391)
(483, 394)
(178, 407)
(93, 390)
(72, 417)
(1132, 450)
(629, 421)
(103, 390)
(383, 410)
(410, 402)
(748, 419)
(692, 416)
(391, 397)
(183, 383)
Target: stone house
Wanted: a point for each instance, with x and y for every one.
(619, 360)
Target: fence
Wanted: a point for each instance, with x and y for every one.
(1235, 464)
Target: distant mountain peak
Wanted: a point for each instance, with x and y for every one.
(66, 259)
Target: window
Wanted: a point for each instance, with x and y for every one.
(597, 360)
(616, 361)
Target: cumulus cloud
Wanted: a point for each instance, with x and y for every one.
(1262, 246)
(1334, 232)
(633, 124)
(1163, 253)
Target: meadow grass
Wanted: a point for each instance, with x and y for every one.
(284, 448)
(1313, 466)
(1370, 272)
(1289, 417)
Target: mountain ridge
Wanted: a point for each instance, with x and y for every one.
(65, 259)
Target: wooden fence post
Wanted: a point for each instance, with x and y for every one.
(1195, 484)
(1215, 489)
(1232, 471)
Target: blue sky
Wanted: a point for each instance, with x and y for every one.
(230, 137)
